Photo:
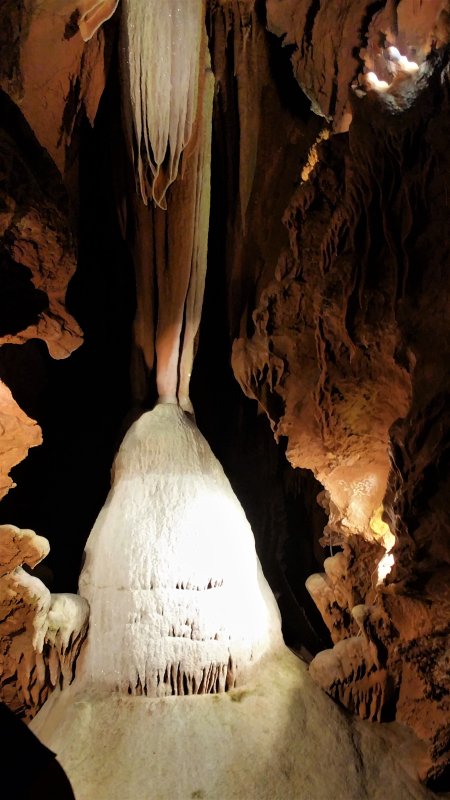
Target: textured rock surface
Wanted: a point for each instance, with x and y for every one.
(178, 601)
(47, 71)
(341, 314)
(348, 360)
(40, 634)
(37, 260)
(19, 433)
(37, 249)
(337, 43)
(46, 67)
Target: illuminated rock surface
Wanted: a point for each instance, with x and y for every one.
(259, 742)
(179, 606)
(342, 356)
(178, 603)
(340, 315)
(19, 433)
(48, 69)
(40, 633)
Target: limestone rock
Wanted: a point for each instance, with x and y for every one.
(258, 742)
(178, 601)
(339, 349)
(41, 634)
(37, 248)
(391, 653)
(19, 433)
(47, 69)
(335, 44)
(351, 674)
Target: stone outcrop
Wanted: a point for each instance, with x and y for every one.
(336, 44)
(49, 78)
(348, 359)
(37, 247)
(37, 260)
(40, 634)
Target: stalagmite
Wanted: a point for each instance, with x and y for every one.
(168, 93)
(178, 602)
(179, 606)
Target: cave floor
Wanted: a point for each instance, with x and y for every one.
(278, 738)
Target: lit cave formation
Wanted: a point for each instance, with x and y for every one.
(224, 399)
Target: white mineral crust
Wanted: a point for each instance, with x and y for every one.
(178, 601)
(177, 595)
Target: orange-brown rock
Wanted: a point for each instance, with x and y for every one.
(335, 42)
(392, 663)
(40, 634)
(329, 381)
(19, 433)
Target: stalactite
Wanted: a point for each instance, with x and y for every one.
(92, 14)
(194, 300)
(180, 252)
(249, 88)
(168, 92)
(161, 57)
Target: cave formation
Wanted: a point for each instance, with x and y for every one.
(224, 244)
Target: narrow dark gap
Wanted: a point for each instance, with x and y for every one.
(279, 502)
(79, 402)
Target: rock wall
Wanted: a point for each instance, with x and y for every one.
(348, 350)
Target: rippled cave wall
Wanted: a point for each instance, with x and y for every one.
(322, 363)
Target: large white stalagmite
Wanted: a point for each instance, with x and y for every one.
(178, 601)
(161, 52)
(181, 239)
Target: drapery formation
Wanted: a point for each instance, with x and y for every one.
(168, 91)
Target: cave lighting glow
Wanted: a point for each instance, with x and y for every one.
(399, 66)
(375, 83)
(383, 534)
(384, 567)
(401, 63)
